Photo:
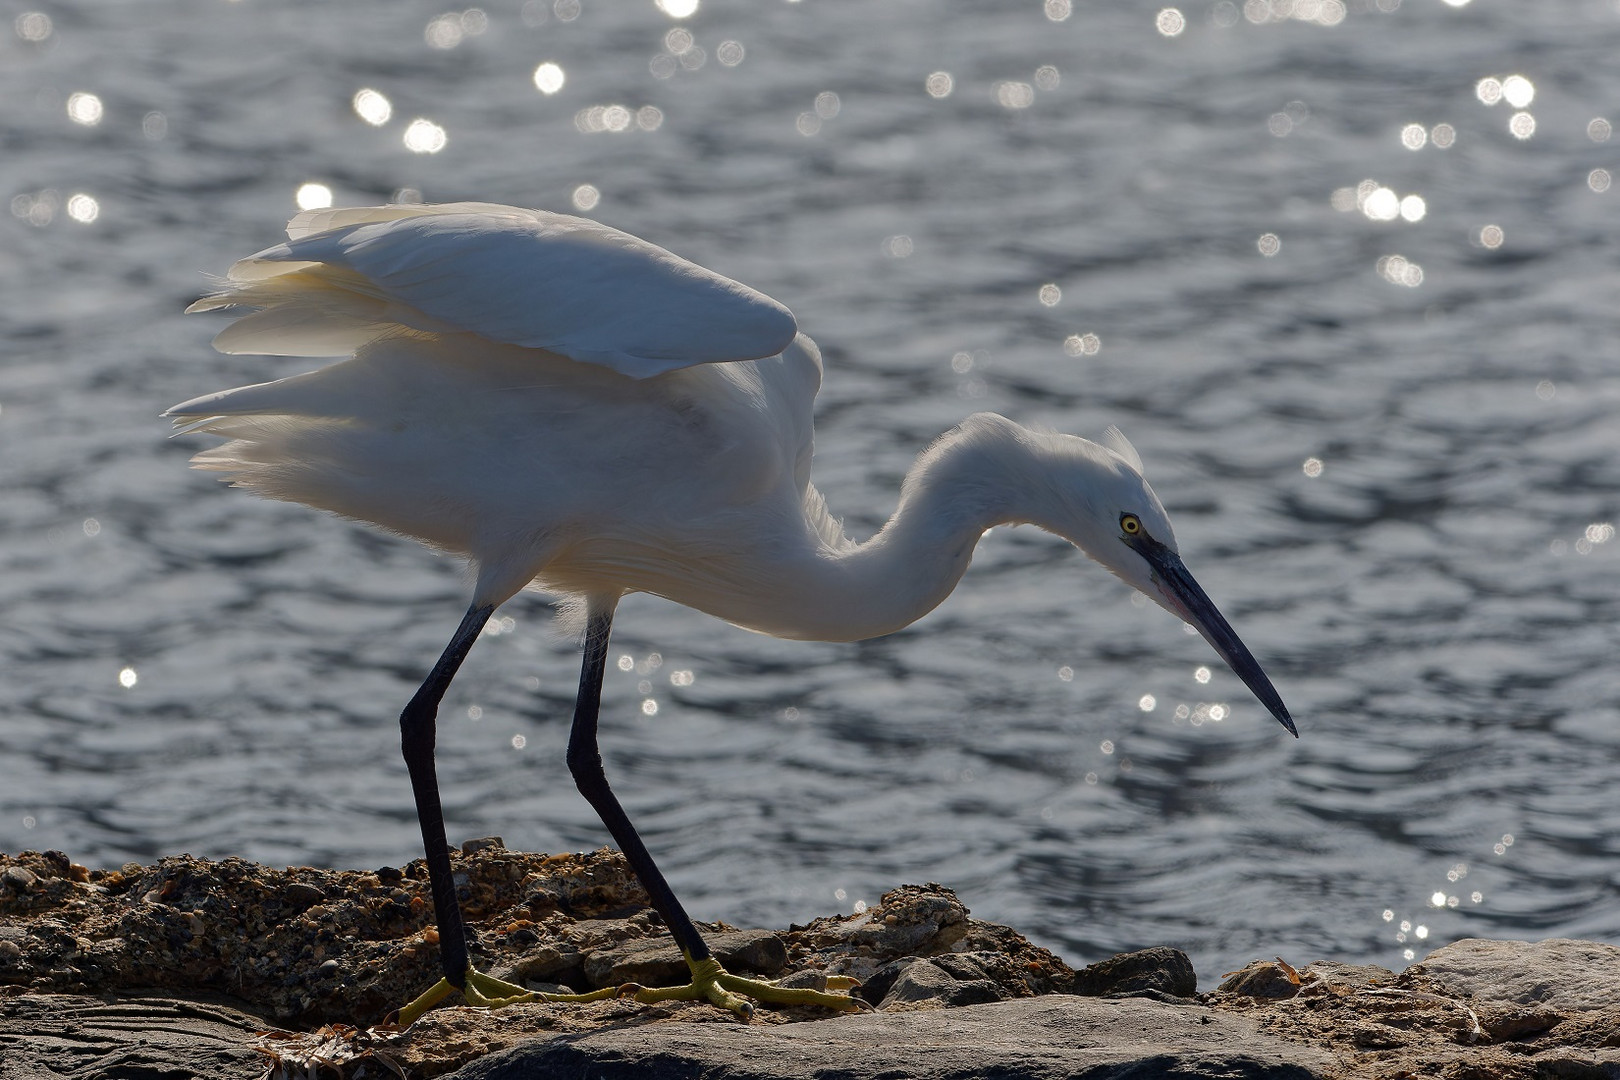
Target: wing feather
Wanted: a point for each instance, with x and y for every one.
(519, 277)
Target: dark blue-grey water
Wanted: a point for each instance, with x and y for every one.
(1360, 321)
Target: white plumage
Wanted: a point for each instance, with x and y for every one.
(570, 406)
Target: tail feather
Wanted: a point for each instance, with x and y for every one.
(304, 309)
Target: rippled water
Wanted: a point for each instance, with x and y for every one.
(1395, 474)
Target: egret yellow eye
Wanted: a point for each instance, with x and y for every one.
(1130, 524)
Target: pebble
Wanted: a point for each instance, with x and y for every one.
(18, 878)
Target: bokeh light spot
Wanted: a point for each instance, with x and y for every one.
(83, 208)
(425, 137)
(549, 78)
(33, 26)
(84, 108)
(1170, 22)
(372, 107)
(313, 196)
(1518, 91)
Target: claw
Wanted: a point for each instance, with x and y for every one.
(488, 992)
(710, 982)
(731, 992)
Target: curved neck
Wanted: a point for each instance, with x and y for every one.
(970, 480)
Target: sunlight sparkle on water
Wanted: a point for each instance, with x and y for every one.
(84, 108)
(1522, 125)
(1599, 129)
(1047, 77)
(448, 30)
(1049, 295)
(1058, 10)
(1491, 236)
(586, 197)
(1399, 270)
(1381, 204)
(1518, 91)
(425, 137)
(1147, 702)
(33, 26)
(1443, 136)
(678, 9)
(1170, 22)
(372, 107)
(1413, 208)
(1201, 674)
(939, 84)
(549, 78)
(1082, 344)
(1268, 244)
(1015, 95)
(83, 208)
(313, 196)
(730, 53)
(1414, 136)
(1321, 12)
(1488, 90)
(1598, 180)
(127, 678)
(1313, 467)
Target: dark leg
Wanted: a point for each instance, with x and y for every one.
(585, 762)
(416, 727)
(709, 980)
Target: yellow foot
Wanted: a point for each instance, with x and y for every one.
(714, 983)
(488, 992)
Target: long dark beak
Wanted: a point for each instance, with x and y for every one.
(1194, 605)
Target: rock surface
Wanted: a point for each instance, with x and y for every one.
(225, 970)
(1047, 1038)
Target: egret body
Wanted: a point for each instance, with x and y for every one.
(569, 407)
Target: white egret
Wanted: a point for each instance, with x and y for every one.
(570, 407)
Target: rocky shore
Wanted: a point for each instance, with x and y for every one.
(197, 968)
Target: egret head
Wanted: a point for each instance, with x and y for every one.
(1107, 509)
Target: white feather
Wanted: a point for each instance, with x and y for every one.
(1115, 440)
(517, 277)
